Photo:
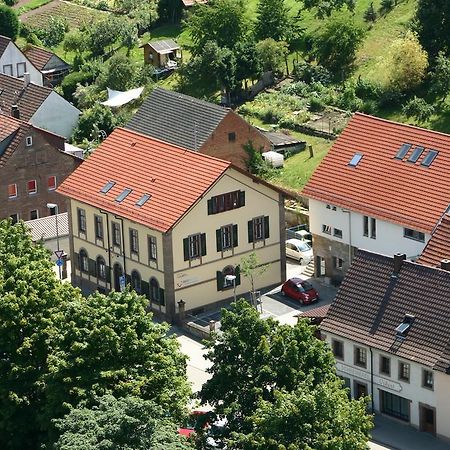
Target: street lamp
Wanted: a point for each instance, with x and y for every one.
(54, 206)
(233, 279)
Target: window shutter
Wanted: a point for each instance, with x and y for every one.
(210, 207)
(219, 240)
(203, 243)
(186, 248)
(241, 198)
(161, 297)
(220, 279)
(235, 235)
(145, 289)
(250, 231)
(108, 274)
(127, 279)
(76, 261)
(237, 273)
(266, 227)
(92, 267)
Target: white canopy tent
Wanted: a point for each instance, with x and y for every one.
(119, 98)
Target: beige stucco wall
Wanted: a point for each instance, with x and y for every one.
(442, 386)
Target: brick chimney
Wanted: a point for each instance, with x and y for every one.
(15, 112)
(26, 79)
(445, 264)
(398, 262)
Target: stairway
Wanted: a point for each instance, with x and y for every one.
(309, 269)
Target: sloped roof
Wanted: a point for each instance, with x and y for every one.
(381, 186)
(438, 247)
(174, 177)
(165, 46)
(28, 99)
(371, 303)
(177, 118)
(280, 139)
(7, 126)
(44, 228)
(38, 56)
(188, 3)
(4, 42)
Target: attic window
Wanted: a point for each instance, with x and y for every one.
(107, 187)
(415, 155)
(429, 158)
(143, 200)
(403, 150)
(121, 197)
(402, 329)
(355, 160)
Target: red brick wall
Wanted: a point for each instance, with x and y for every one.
(38, 162)
(219, 145)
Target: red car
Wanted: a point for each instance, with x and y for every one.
(300, 290)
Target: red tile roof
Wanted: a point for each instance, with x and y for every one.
(174, 177)
(438, 247)
(38, 56)
(380, 185)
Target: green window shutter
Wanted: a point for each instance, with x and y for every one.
(186, 248)
(92, 267)
(250, 231)
(237, 273)
(220, 279)
(235, 235)
(219, 240)
(210, 207)
(203, 244)
(76, 261)
(266, 227)
(241, 198)
(161, 297)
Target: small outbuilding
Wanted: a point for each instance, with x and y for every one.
(162, 54)
(283, 142)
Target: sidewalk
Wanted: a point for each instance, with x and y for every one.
(398, 436)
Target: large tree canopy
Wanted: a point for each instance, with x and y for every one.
(260, 367)
(9, 23)
(272, 20)
(128, 423)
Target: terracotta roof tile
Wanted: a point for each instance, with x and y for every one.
(38, 56)
(4, 42)
(371, 303)
(380, 185)
(438, 247)
(28, 99)
(174, 177)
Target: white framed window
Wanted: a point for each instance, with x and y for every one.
(8, 69)
(29, 141)
(51, 183)
(21, 69)
(12, 190)
(326, 229)
(32, 187)
(134, 241)
(427, 379)
(152, 248)
(403, 371)
(360, 357)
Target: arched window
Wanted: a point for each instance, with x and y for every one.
(136, 281)
(84, 261)
(154, 290)
(101, 268)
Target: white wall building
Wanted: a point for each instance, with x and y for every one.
(14, 63)
(389, 329)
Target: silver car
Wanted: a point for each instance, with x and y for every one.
(299, 250)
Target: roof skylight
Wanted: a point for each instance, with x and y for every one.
(429, 158)
(355, 160)
(143, 200)
(403, 150)
(404, 326)
(415, 155)
(107, 187)
(123, 195)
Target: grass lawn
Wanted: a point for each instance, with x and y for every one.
(32, 4)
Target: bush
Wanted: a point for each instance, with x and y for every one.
(70, 82)
(418, 108)
(386, 6)
(316, 104)
(92, 121)
(366, 89)
(54, 33)
(370, 15)
(310, 73)
(9, 23)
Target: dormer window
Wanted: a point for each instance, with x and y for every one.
(403, 328)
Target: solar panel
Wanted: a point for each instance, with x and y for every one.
(415, 155)
(355, 160)
(404, 149)
(121, 197)
(107, 187)
(429, 158)
(143, 200)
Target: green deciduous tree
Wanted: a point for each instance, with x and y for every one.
(248, 65)
(406, 63)
(418, 108)
(264, 372)
(272, 20)
(432, 23)
(326, 7)
(221, 21)
(440, 76)
(336, 43)
(128, 423)
(170, 10)
(93, 120)
(271, 54)
(9, 23)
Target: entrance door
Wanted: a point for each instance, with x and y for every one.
(360, 390)
(320, 266)
(118, 272)
(427, 419)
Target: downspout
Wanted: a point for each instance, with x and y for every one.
(371, 380)
(109, 247)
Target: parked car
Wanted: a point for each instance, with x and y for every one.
(300, 290)
(299, 232)
(299, 250)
